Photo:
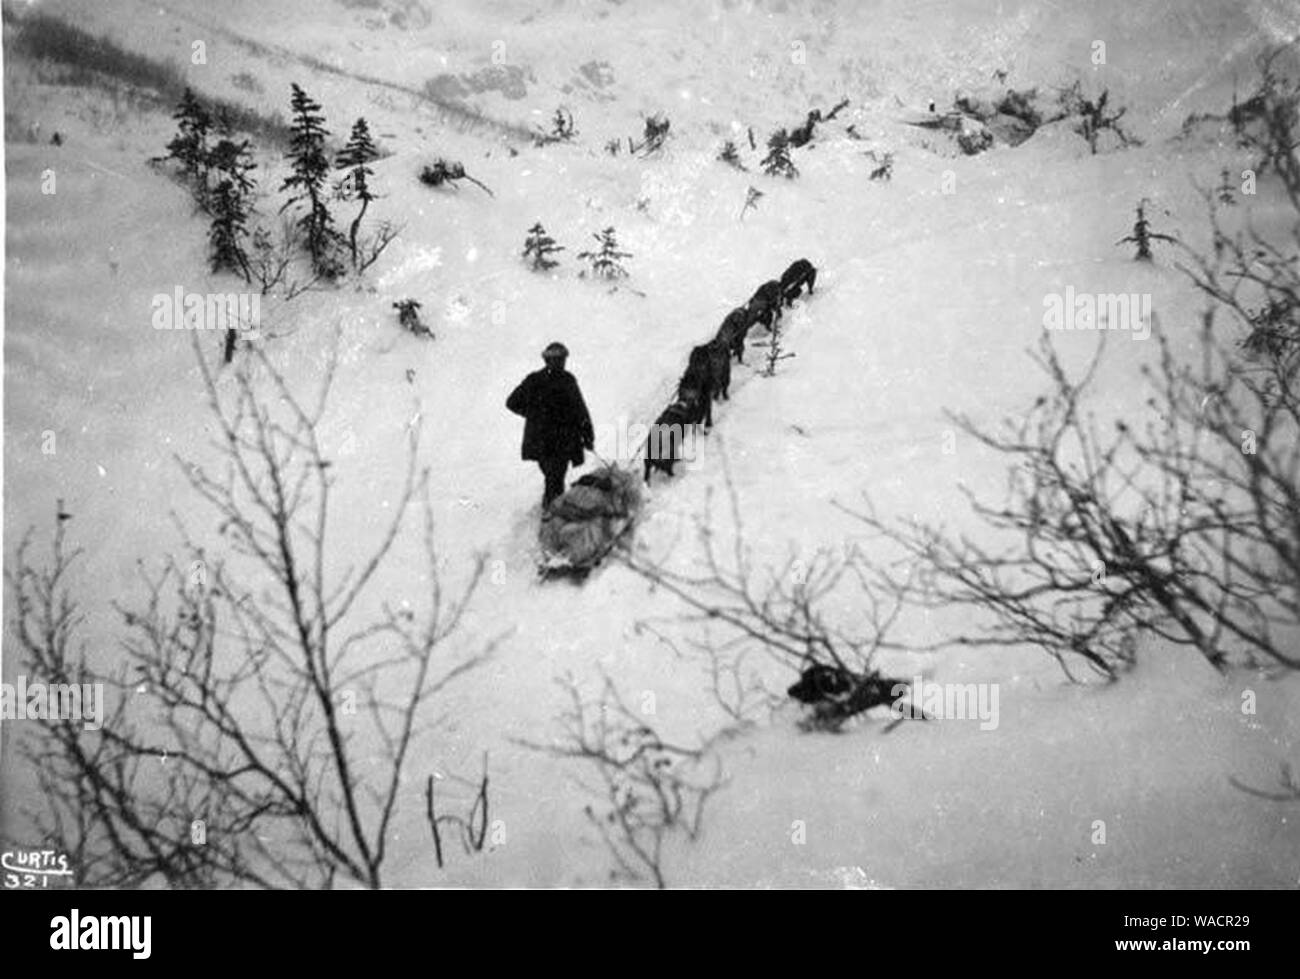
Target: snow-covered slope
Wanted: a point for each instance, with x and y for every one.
(925, 301)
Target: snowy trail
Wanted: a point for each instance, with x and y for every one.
(924, 302)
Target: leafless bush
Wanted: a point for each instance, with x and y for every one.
(1069, 573)
(247, 686)
(373, 245)
(472, 828)
(272, 259)
(737, 690)
(1094, 117)
(655, 134)
(782, 609)
(651, 788)
(1188, 529)
(735, 606)
(1266, 122)
(1253, 282)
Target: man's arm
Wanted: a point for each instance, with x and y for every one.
(520, 398)
(584, 418)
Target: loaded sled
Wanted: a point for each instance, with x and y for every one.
(583, 525)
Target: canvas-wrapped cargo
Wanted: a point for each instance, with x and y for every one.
(585, 522)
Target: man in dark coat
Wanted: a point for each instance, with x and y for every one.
(557, 426)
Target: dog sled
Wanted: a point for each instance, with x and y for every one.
(584, 525)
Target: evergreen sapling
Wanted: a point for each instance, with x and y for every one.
(189, 147)
(774, 350)
(777, 163)
(539, 246)
(354, 157)
(562, 130)
(307, 182)
(729, 156)
(1142, 235)
(885, 167)
(606, 262)
(229, 202)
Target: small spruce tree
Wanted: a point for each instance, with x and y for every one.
(231, 159)
(730, 156)
(606, 262)
(775, 352)
(1142, 235)
(884, 169)
(230, 167)
(311, 169)
(539, 246)
(189, 147)
(562, 130)
(359, 151)
(230, 211)
(777, 163)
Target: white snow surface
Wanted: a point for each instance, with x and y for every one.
(925, 301)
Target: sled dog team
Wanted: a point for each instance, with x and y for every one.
(557, 426)
(708, 371)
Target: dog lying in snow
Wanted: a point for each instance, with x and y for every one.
(837, 694)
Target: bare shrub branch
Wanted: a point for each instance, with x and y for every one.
(251, 683)
(651, 788)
